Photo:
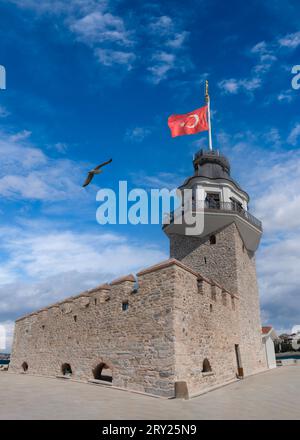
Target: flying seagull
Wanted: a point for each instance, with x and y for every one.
(96, 170)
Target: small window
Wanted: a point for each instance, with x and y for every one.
(206, 368)
(43, 327)
(25, 366)
(224, 298)
(212, 239)
(214, 292)
(232, 303)
(66, 370)
(95, 301)
(125, 306)
(205, 261)
(200, 286)
(210, 308)
(212, 200)
(75, 318)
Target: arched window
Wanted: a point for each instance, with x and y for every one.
(102, 372)
(206, 368)
(25, 366)
(212, 239)
(66, 370)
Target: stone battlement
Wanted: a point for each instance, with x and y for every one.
(91, 293)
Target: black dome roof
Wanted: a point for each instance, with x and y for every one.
(210, 164)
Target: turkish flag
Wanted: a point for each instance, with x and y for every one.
(190, 123)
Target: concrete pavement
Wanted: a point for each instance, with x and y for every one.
(270, 395)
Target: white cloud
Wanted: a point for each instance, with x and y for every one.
(61, 147)
(162, 63)
(166, 28)
(45, 265)
(61, 7)
(291, 41)
(294, 135)
(234, 86)
(285, 96)
(92, 23)
(272, 137)
(25, 134)
(168, 52)
(250, 84)
(114, 39)
(16, 153)
(272, 178)
(264, 54)
(266, 57)
(98, 27)
(37, 254)
(137, 134)
(28, 173)
(229, 85)
(162, 25)
(279, 279)
(178, 40)
(109, 57)
(8, 327)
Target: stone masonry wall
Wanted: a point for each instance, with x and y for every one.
(253, 353)
(136, 344)
(217, 262)
(230, 264)
(206, 326)
(174, 321)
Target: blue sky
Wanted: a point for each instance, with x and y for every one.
(88, 80)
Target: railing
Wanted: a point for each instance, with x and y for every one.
(211, 205)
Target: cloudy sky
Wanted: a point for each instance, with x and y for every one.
(90, 79)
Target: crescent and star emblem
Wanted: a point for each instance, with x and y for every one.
(192, 124)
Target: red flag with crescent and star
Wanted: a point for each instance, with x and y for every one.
(190, 123)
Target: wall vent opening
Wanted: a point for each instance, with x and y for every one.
(212, 239)
(206, 368)
(66, 370)
(25, 366)
(102, 372)
(125, 306)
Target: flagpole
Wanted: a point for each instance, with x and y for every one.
(207, 99)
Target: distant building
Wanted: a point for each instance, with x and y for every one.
(269, 337)
(295, 337)
(289, 342)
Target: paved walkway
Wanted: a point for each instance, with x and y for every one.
(271, 395)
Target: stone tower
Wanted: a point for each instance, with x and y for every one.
(225, 250)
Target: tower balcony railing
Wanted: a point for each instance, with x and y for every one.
(214, 206)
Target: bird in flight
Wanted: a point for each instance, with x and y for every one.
(96, 170)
